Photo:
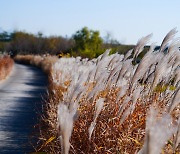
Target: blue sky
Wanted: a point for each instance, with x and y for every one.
(126, 20)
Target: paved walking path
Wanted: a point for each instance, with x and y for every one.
(20, 99)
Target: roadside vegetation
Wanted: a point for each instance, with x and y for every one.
(44, 62)
(6, 66)
(112, 103)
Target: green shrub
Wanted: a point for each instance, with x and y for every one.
(88, 43)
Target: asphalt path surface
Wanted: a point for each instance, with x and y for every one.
(20, 102)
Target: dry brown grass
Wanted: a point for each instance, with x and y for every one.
(109, 136)
(6, 65)
(42, 61)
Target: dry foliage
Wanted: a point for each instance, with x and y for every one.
(6, 65)
(43, 61)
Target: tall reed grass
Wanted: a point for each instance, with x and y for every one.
(112, 104)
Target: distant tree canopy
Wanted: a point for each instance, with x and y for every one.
(88, 43)
(85, 43)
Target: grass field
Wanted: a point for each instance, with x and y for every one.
(112, 104)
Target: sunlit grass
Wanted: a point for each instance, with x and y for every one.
(112, 104)
(6, 65)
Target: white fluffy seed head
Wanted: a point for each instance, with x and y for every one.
(157, 132)
(65, 123)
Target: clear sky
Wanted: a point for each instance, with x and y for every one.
(126, 20)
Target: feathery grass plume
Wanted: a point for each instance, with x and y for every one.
(113, 72)
(158, 56)
(158, 131)
(77, 87)
(144, 65)
(165, 68)
(116, 58)
(65, 124)
(128, 54)
(134, 70)
(174, 46)
(126, 66)
(167, 39)
(122, 107)
(99, 86)
(96, 90)
(105, 54)
(112, 62)
(118, 82)
(125, 115)
(140, 45)
(135, 95)
(99, 106)
(160, 71)
(173, 57)
(176, 58)
(90, 77)
(98, 68)
(122, 92)
(175, 100)
(176, 76)
(177, 137)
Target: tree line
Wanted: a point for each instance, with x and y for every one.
(84, 42)
(26, 43)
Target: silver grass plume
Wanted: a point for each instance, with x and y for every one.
(177, 76)
(174, 46)
(98, 69)
(140, 45)
(105, 54)
(158, 131)
(125, 115)
(134, 97)
(127, 65)
(98, 87)
(144, 65)
(136, 94)
(120, 82)
(98, 108)
(122, 107)
(65, 123)
(128, 54)
(177, 136)
(160, 71)
(113, 72)
(165, 67)
(175, 100)
(114, 61)
(122, 92)
(167, 39)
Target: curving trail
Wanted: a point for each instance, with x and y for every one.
(20, 99)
